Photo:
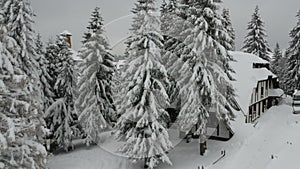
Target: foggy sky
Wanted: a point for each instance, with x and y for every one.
(55, 16)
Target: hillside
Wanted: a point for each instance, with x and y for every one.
(276, 133)
(272, 142)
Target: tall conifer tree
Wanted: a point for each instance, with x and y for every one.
(45, 87)
(276, 60)
(95, 102)
(21, 127)
(229, 29)
(95, 24)
(202, 68)
(60, 115)
(255, 41)
(143, 110)
(292, 75)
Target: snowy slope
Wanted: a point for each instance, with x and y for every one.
(276, 134)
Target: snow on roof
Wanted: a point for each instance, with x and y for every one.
(275, 92)
(247, 77)
(66, 32)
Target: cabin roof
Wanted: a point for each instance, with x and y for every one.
(66, 33)
(247, 77)
(275, 92)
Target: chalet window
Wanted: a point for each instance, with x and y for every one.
(256, 94)
(267, 87)
(262, 92)
(261, 65)
(258, 109)
(263, 106)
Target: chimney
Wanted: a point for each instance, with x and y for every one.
(67, 35)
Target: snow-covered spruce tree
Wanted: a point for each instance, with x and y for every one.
(60, 115)
(167, 15)
(172, 24)
(19, 20)
(255, 41)
(173, 27)
(95, 24)
(292, 75)
(46, 89)
(95, 102)
(141, 123)
(53, 51)
(276, 61)
(204, 71)
(51, 54)
(21, 128)
(229, 28)
(168, 19)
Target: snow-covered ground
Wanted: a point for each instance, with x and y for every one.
(272, 142)
(275, 135)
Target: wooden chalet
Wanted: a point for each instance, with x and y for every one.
(257, 88)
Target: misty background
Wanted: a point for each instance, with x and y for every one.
(55, 16)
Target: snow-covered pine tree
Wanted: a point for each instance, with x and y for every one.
(255, 41)
(21, 128)
(229, 28)
(60, 115)
(171, 25)
(46, 89)
(204, 71)
(51, 54)
(141, 123)
(39, 46)
(19, 20)
(282, 77)
(292, 75)
(164, 16)
(168, 18)
(95, 102)
(95, 24)
(167, 15)
(163, 7)
(173, 22)
(276, 61)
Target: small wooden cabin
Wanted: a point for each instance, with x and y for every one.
(257, 88)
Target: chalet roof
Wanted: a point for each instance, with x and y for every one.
(66, 33)
(247, 77)
(275, 92)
